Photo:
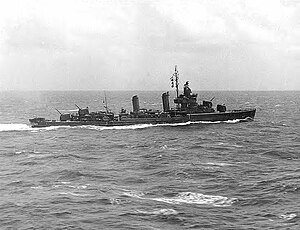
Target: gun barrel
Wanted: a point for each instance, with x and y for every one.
(58, 111)
(77, 106)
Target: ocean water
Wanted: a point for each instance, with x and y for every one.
(208, 175)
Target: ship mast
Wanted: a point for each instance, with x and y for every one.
(175, 78)
(105, 100)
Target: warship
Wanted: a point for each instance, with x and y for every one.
(186, 109)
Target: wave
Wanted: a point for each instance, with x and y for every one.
(288, 217)
(26, 127)
(280, 154)
(188, 198)
(218, 164)
(75, 194)
(163, 212)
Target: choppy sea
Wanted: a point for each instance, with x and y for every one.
(210, 175)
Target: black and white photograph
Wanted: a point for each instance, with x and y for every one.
(150, 114)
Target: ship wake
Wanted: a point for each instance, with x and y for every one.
(144, 126)
(26, 127)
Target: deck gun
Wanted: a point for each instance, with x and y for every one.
(58, 111)
(82, 112)
(64, 116)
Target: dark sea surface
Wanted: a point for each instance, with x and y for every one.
(212, 175)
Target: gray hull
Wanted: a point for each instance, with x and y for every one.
(194, 117)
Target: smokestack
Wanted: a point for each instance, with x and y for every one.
(135, 104)
(165, 100)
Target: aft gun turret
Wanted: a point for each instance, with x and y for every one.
(64, 116)
(82, 112)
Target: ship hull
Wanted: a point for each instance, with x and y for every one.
(194, 117)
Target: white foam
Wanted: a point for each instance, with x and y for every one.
(37, 187)
(189, 198)
(198, 198)
(288, 216)
(164, 212)
(25, 127)
(139, 126)
(115, 201)
(14, 127)
(218, 164)
(52, 127)
(144, 126)
(164, 147)
(74, 194)
(65, 182)
(19, 152)
(206, 122)
(82, 187)
(134, 194)
(232, 121)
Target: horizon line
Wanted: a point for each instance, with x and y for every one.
(140, 90)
